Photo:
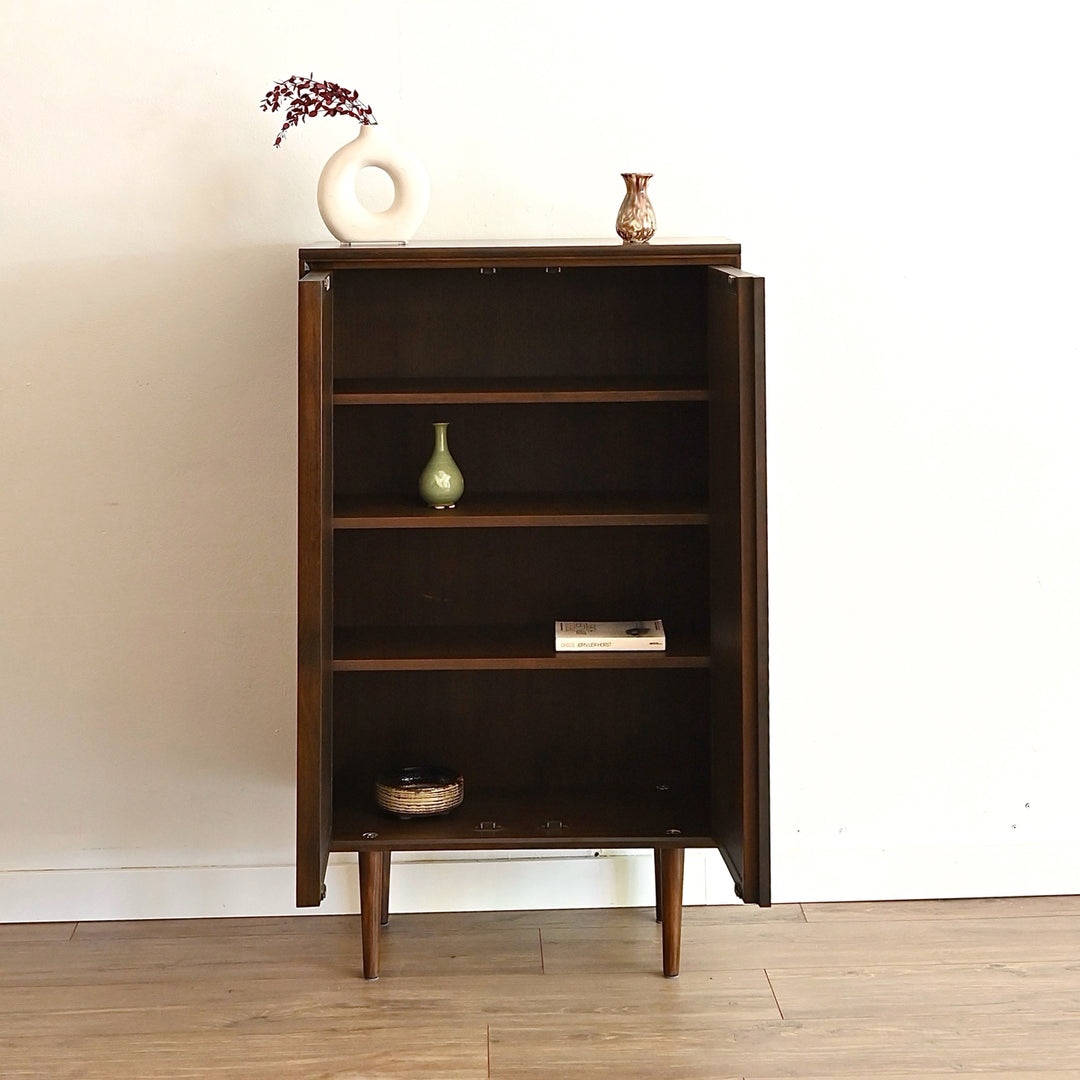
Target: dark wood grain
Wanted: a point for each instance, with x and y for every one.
(739, 578)
(633, 325)
(516, 511)
(513, 391)
(671, 885)
(490, 648)
(606, 406)
(371, 890)
(573, 728)
(634, 816)
(314, 727)
(384, 906)
(657, 875)
(539, 254)
(653, 451)
(433, 578)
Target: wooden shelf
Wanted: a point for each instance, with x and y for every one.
(521, 391)
(504, 511)
(636, 816)
(491, 648)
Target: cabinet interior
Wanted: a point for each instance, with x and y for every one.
(521, 323)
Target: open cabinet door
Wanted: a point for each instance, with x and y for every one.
(739, 586)
(314, 623)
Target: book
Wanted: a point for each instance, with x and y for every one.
(644, 635)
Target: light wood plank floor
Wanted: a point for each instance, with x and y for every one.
(819, 991)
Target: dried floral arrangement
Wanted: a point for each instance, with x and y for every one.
(311, 97)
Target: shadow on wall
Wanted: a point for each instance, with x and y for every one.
(147, 560)
(150, 411)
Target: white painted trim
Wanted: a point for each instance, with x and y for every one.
(923, 872)
(506, 881)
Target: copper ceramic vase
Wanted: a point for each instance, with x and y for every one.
(636, 221)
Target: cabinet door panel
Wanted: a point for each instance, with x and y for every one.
(314, 588)
(739, 592)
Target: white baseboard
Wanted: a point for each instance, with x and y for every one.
(507, 881)
(922, 872)
(520, 880)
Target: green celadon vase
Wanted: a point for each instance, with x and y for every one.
(441, 482)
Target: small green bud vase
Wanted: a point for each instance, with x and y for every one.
(441, 482)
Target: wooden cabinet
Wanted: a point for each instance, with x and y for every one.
(606, 406)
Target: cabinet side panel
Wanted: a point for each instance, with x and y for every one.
(314, 589)
(755, 577)
(739, 613)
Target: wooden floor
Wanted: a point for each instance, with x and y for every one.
(891, 990)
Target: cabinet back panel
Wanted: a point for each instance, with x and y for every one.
(577, 730)
(655, 448)
(518, 577)
(525, 322)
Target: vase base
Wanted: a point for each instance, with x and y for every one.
(373, 243)
(442, 506)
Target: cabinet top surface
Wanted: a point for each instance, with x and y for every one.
(471, 253)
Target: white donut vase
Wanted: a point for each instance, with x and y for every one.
(346, 216)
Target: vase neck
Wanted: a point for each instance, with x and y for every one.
(440, 437)
(636, 182)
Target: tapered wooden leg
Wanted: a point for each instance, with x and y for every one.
(384, 908)
(659, 887)
(671, 885)
(371, 872)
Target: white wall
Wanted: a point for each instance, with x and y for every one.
(906, 178)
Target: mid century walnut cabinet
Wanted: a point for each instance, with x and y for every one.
(606, 406)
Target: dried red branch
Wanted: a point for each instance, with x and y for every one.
(302, 98)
